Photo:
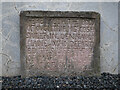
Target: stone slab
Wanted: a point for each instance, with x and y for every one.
(59, 43)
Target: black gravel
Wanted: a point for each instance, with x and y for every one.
(105, 81)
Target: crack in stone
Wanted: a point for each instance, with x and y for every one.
(115, 68)
(9, 57)
(9, 60)
(19, 9)
(100, 10)
(16, 8)
(109, 26)
(69, 6)
(8, 36)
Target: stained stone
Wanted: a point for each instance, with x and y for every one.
(59, 43)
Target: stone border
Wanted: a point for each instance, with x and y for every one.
(24, 15)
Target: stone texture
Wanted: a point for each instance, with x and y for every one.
(109, 31)
(62, 43)
(0, 45)
(118, 37)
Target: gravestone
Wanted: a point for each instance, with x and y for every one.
(59, 43)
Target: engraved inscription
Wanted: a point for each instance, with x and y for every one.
(59, 45)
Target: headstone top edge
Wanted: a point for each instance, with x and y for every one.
(64, 14)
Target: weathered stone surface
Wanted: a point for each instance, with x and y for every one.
(11, 27)
(59, 43)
